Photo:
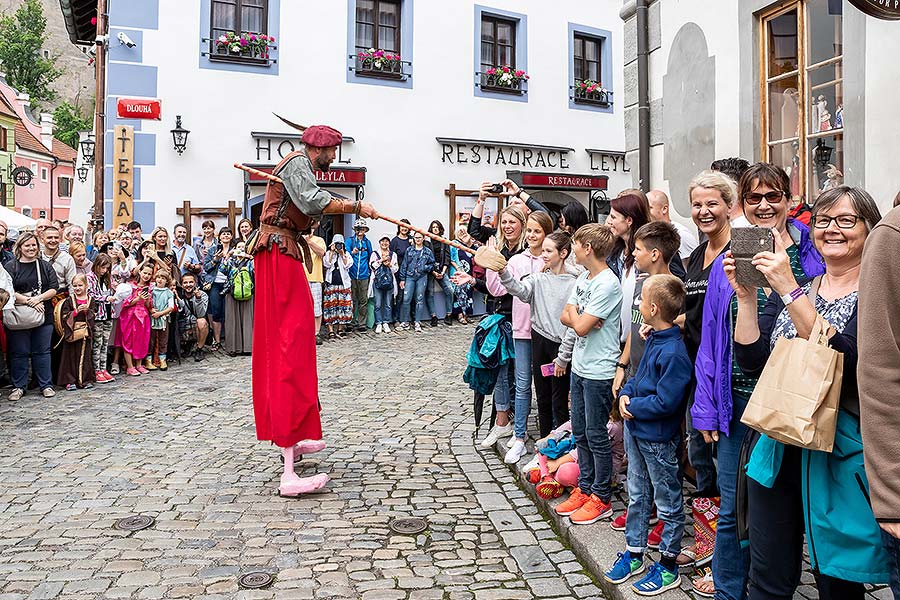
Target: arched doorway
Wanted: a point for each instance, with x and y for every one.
(554, 201)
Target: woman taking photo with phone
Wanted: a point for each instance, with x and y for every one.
(337, 303)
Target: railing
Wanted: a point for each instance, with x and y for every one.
(221, 53)
(491, 83)
(399, 70)
(602, 99)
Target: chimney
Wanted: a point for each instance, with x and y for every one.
(47, 130)
(24, 99)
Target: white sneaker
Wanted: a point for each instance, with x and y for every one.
(404, 326)
(511, 442)
(534, 463)
(418, 327)
(515, 453)
(495, 434)
(378, 328)
(386, 328)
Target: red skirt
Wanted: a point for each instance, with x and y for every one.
(285, 383)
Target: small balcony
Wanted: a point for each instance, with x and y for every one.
(600, 97)
(393, 69)
(493, 83)
(258, 53)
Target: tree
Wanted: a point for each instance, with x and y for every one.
(22, 35)
(68, 122)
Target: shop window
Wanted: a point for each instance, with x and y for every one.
(239, 32)
(803, 99)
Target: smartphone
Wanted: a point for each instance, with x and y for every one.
(747, 242)
(547, 370)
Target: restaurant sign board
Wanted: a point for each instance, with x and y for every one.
(880, 9)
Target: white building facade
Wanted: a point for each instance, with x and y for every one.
(419, 131)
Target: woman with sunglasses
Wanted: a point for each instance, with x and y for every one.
(723, 388)
(792, 491)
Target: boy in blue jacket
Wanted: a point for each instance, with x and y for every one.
(652, 404)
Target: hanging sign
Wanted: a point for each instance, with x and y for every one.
(139, 108)
(22, 176)
(880, 9)
(123, 175)
(562, 181)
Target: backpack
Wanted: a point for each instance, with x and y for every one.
(242, 284)
(384, 279)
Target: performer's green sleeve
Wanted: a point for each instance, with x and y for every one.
(300, 182)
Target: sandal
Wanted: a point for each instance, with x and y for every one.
(704, 585)
(331, 335)
(462, 319)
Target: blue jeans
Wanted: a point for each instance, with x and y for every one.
(217, 303)
(700, 454)
(653, 476)
(892, 545)
(30, 347)
(413, 288)
(731, 562)
(445, 284)
(591, 402)
(398, 306)
(503, 389)
(383, 300)
(523, 386)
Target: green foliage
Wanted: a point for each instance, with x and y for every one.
(22, 35)
(68, 122)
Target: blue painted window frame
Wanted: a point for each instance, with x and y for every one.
(521, 22)
(406, 48)
(273, 28)
(606, 70)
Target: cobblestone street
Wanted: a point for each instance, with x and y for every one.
(180, 446)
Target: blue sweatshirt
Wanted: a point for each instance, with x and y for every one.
(659, 389)
(360, 267)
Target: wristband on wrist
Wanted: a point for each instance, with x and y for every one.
(791, 296)
(622, 366)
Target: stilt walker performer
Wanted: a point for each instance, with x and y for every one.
(285, 383)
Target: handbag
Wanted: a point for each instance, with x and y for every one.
(22, 316)
(797, 396)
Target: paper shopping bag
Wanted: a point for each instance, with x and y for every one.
(797, 396)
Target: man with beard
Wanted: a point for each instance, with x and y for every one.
(185, 255)
(285, 383)
(193, 304)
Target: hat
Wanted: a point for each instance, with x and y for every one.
(360, 224)
(337, 239)
(322, 136)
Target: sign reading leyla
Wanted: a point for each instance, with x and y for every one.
(881, 9)
(139, 108)
(335, 176)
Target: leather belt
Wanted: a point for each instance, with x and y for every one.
(271, 229)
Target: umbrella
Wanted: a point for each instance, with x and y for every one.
(478, 408)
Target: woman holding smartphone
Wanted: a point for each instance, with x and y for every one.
(337, 303)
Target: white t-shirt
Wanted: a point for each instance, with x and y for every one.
(688, 240)
(741, 221)
(595, 355)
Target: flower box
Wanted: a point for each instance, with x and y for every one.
(592, 92)
(379, 63)
(248, 46)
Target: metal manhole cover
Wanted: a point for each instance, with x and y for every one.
(255, 580)
(135, 523)
(408, 526)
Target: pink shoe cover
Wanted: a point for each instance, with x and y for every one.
(292, 485)
(308, 447)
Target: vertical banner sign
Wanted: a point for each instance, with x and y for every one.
(123, 175)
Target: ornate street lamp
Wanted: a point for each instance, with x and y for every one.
(82, 173)
(180, 136)
(87, 150)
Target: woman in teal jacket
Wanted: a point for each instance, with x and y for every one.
(791, 490)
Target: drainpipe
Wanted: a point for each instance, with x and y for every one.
(52, 169)
(100, 114)
(643, 68)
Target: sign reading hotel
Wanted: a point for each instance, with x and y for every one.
(123, 175)
(139, 108)
(880, 9)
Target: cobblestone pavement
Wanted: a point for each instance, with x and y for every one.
(180, 446)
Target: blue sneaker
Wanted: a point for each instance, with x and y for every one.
(625, 568)
(657, 581)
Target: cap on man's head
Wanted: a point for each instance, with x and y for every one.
(322, 136)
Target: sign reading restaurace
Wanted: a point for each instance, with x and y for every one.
(564, 181)
(881, 9)
(139, 108)
(503, 153)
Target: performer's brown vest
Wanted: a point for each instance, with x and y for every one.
(285, 221)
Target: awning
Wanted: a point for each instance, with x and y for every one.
(78, 16)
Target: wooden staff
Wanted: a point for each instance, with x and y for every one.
(397, 222)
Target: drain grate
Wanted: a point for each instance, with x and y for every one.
(256, 580)
(408, 525)
(135, 523)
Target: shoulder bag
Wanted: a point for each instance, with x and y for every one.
(23, 316)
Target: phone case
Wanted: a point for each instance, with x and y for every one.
(547, 370)
(747, 242)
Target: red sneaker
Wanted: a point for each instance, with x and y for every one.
(618, 524)
(534, 476)
(108, 376)
(549, 488)
(593, 510)
(575, 501)
(655, 536)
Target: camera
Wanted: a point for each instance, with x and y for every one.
(497, 188)
(125, 40)
(339, 245)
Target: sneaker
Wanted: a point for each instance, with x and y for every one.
(434, 321)
(108, 377)
(198, 354)
(511, 441)
(386, 328)
(657, 581)
(318, 340)
(404, 326)
(655, 537)
(625, 568)
(575, 501)
(448, 320)
(418, 327)
(88, 385)
(133, 372)
(163, 365)
(515, 453)
(532, 465)
(16, 394)
(142, 369)
(114, 369)
(495, 434)
(48, 392)
(378, 328)
(591, 511)
(71, 387)
(618, 524)
(549, 488)
(99, 377)
(533, 476)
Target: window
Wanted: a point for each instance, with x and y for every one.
(34, 168)
(45, 174)
(46, 54)
(238, 16)
(588, 86)
(586, 58)
(4, 138)
(42, 214)
(378, 25)
(803, 100)
(64, 185)
(26, 210)
(498, 42)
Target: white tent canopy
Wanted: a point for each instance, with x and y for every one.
(16, 220)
